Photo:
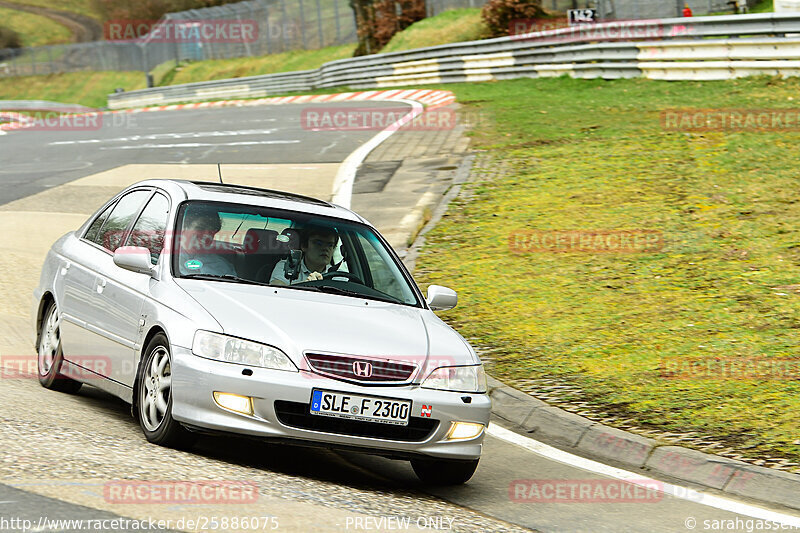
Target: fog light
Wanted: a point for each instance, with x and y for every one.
(234, 402)
(464, 430)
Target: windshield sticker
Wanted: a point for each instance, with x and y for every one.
(193, 264)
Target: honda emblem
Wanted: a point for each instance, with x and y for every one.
(362, 369)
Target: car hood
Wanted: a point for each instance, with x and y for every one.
(298, 321)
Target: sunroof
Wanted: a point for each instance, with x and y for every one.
(255, 191)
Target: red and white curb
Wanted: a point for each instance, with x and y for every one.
(12, 121)
(427, 97)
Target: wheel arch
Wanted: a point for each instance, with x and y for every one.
(44, 303)
(154, 330)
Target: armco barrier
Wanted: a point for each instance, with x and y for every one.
(701, 48)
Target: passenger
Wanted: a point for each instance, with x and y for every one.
(199, 250)
(317, 244)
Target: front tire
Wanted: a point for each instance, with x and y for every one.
(442, 472)
(50, 355)
(154, 397)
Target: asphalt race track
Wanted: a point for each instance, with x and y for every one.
(33, 161)
(59, 452)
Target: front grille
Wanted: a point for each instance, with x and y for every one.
(380, 370)
(297, 415)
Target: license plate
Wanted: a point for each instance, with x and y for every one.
(357, 407)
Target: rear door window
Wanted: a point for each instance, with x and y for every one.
(94, 229)
(148, 231)
(112, 235)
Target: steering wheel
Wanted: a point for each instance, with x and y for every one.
(341, 274)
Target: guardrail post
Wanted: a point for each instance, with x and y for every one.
(99, 55)
(336, 19)
(145, 69)
(284, 25)
(265, 7)
(303, 25)
(245, 42)
(319, 25)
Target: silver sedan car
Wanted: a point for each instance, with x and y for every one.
(224, 308)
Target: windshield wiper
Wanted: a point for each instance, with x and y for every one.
(225, 277)
(345, 292)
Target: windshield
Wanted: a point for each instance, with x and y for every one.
(250, 244)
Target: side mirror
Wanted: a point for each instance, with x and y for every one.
(441, 298)
(134, 258)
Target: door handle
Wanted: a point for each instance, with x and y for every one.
(101, 283)
(65, 268)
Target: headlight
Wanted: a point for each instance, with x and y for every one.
(457, 379)
(239, 351)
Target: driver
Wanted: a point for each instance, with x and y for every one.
(317, 244)
(199, 251)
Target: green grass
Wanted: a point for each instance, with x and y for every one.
(34, 30)
(449, 27)
(765, 6)
(220, 69)
(592, 155)
(86, 88)
(81, 7)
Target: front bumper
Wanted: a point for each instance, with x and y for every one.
(194, 380)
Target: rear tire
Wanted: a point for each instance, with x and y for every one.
(50, 355)
(154, 397)
(442, 472)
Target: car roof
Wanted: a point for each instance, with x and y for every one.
(242, 194)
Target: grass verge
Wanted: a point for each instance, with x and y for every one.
(81, 7)
(592, 155)
(85, 88)
(34, 30)
(220, 69)
(449, 27)
(765, 6)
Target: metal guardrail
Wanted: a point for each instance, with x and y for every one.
(727, 46)
(280, 26)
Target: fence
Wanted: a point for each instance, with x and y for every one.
(641, 9)
(719, 48)
(283, 25)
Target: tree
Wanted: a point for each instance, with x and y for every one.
(378, 20)
(499, 14)
(364, 11)
(9, 38)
